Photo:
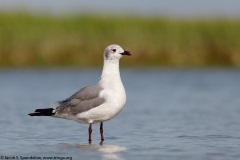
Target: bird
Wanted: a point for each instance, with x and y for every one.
(96, 103)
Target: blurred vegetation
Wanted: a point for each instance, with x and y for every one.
(79, 41)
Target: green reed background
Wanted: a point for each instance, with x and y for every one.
(78, 41)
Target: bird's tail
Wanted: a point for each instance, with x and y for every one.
(43, 112)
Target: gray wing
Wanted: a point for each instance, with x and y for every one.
(83, 100)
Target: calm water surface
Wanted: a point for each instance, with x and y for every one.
(170, 114)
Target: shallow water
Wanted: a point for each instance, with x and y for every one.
(170, 114)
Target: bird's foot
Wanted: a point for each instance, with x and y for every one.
(101, 143)
(89, 141)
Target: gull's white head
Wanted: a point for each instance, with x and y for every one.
(115, 52)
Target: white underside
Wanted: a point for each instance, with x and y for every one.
(103, 112)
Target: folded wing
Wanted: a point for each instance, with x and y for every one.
(83, 100)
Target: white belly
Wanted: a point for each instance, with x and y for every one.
(115, 102)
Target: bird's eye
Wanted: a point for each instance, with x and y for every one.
(113, 50)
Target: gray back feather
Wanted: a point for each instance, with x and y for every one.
(83, 100)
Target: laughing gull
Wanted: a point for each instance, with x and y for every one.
(97, 103)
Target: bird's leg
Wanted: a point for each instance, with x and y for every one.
(101, 131)
(89, 133)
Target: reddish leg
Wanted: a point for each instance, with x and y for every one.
(89, 133)
(101, 131)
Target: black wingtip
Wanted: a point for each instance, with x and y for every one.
(42, 112)
(37, 114)
(31, 114)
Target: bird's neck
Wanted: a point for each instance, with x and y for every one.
(110, 71)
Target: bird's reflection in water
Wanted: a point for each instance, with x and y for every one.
(108, 152)
(111, 152)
